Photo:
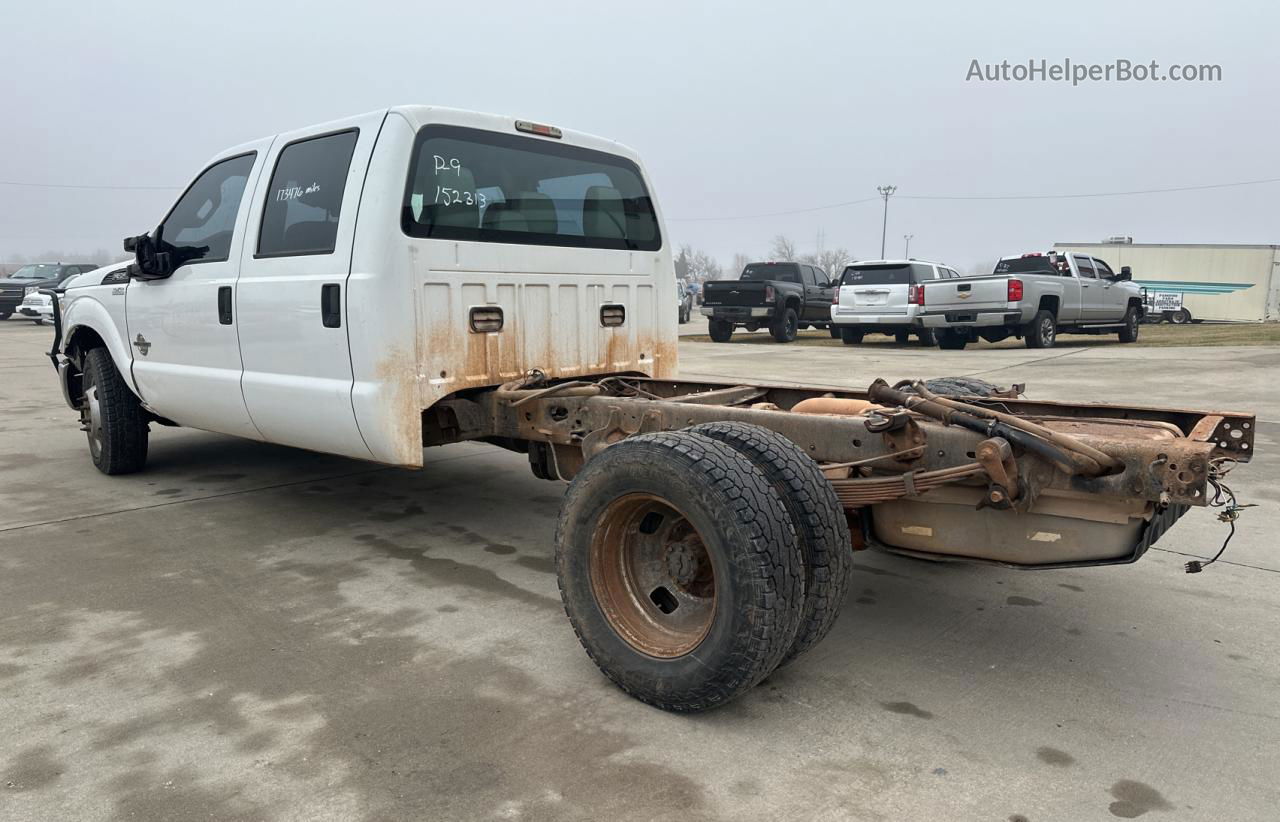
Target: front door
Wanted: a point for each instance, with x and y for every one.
(1114, 303)
(292, 296)
(182, 329)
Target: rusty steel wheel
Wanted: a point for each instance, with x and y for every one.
(679, 569)
(652, 576)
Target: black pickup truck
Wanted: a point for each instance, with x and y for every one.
(784, 297)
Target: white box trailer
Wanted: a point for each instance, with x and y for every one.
(1193, 282)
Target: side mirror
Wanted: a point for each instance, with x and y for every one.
(1126, 273)
(149, 263)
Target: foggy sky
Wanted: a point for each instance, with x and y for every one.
(738, 109)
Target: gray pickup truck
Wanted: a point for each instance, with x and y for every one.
(1034, 297)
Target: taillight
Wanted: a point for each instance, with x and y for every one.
(835, 295)
(768, 293)
(915, 294)
(1015, 290)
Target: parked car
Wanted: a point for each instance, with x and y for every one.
(31, 278)
(885, 297)
(1034, 297)
(686, 301)
(781, 296)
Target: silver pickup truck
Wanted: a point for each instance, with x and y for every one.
(1034, 297)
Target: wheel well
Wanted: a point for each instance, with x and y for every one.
(1134, 302)
(81, 342)
(793, 302)
(1049, 302)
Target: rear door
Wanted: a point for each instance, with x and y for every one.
(186, 360)
(875, 289)
(1092, 302)
(292, 294)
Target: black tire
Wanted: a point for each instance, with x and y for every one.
(741, 532)
(951, 341)
(720, 330)
(113, 417)
(834, 331)
(785, 327)
(1042, 331)
(902, 337)
(4, 315)
(850, 335)
(1132, 322)
(927, 337)
(1180, 317)
(39, 321)
(822, 532)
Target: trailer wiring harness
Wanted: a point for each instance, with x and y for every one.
(1224, 498)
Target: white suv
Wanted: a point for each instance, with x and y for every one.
(885, 297)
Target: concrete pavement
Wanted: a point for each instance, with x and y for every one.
(246, 631)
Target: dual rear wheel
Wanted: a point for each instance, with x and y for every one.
(693, 563)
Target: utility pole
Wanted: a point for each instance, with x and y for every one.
(885, 192)
(906, 251)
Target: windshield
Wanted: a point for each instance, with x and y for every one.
(891, 274)
(40, 271)
(785, 272)
(1038, 263)
(483, 186)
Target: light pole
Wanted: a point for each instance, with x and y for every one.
(906, 250)
(885, 192)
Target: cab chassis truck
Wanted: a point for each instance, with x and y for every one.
(420, 276)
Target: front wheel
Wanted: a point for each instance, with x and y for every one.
(112, 417)
(679, 569)
(720, 330)
(785, 328)
(1129, 334)
(1042, 331)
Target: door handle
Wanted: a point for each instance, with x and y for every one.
(224, 304)
(331, 305)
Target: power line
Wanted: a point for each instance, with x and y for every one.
(981, 197)
(93, 188)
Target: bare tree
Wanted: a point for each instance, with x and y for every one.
(696, 265)
(740, 262)
(783, 248)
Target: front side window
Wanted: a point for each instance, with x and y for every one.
(1104, 270)
(469, 184)
(201, 223)
(304, 199)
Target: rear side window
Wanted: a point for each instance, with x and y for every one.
(200, 225)
(484, 186)
(781, 272)
(1086, 267)
(304, 199)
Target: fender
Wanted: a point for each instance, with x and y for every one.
(83, 315)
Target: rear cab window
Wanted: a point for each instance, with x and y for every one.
(779, 272)
(1034, 264)
(484, 186)
(886, 274)
(304, 200)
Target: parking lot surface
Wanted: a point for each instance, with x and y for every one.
(248, 631)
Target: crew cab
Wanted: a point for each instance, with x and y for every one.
(420, 276)
(29, 279)
(1035, 297)
(784, 297)
(885, 297)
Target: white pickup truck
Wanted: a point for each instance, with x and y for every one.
(422, 276)
(1035, 297)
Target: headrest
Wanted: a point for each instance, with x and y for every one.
(602, 213)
